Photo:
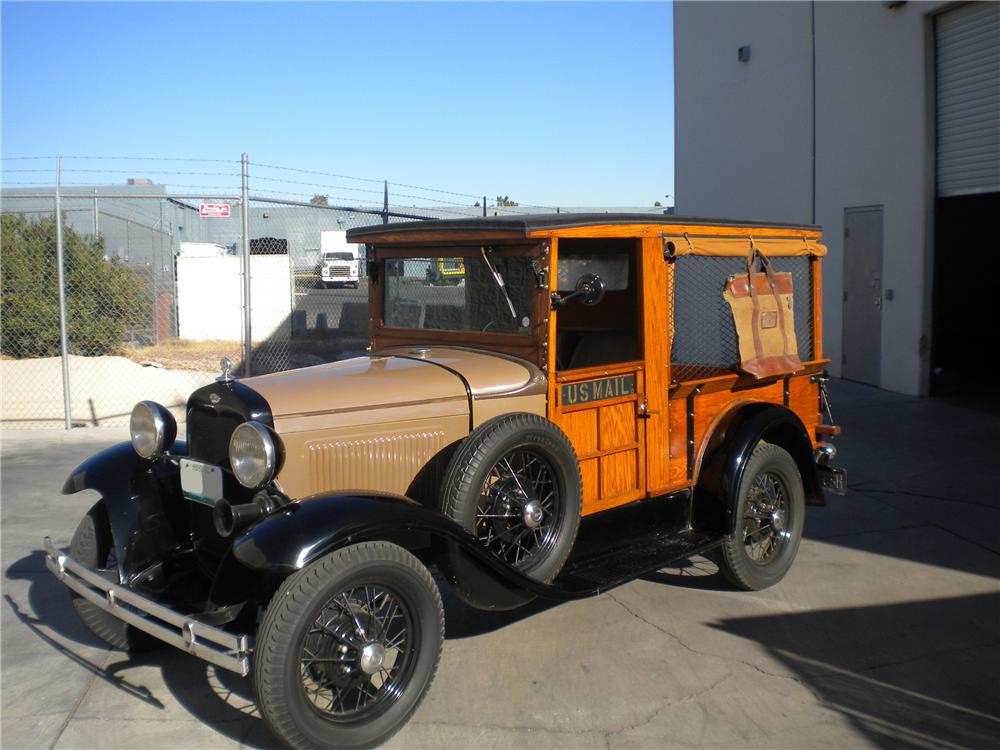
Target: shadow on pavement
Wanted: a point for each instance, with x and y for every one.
(922, 477)
(913, 675)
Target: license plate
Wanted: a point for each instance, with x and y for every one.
(834, 480)
(201, 482)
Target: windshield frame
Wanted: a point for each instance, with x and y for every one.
(530, 345)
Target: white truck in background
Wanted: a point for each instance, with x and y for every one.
(338, 259)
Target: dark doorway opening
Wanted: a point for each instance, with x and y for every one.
(965, 325)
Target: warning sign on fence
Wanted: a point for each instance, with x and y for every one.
(214, 210)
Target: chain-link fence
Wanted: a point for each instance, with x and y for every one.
(153, 291)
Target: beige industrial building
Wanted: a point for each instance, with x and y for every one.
(879, 121)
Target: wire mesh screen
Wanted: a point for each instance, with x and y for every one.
(704, 336)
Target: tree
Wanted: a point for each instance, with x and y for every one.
(102, 297)
(657, 204)
(320, 200)
(504, 200)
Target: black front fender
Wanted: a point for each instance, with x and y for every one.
(135, 493)
(727, 454)
(305, 531)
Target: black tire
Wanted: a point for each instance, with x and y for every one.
(770, 516)
(296, 630)
(92, 547)
(500, 517)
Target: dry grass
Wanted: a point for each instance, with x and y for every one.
(183, 354)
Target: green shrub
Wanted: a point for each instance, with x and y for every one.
(102, 297)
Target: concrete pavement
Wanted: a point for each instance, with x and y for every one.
(885, 633)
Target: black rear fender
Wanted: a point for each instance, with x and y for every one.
(729, 448)
(301, 533)
(145, 525)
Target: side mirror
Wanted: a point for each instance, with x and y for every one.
(589, 288)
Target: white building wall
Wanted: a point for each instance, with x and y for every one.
(874, 141)
(209, 297)
(742, 130)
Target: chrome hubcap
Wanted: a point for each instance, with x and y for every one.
(778, 521)
(533, 514)
(372, 657)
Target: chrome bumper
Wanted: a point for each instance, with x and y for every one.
(212, 644)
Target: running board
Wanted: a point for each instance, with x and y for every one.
(619, 545)
(592, 576)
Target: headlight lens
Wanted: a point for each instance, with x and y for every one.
(153, 429)
(253, 454)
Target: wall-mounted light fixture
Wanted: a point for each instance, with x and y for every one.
(743, 53)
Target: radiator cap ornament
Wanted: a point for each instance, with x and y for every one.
(226, 365)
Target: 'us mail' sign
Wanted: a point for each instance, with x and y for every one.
(598, 390)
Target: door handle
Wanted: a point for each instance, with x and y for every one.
(644, 411)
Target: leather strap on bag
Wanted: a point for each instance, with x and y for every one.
(753, 254)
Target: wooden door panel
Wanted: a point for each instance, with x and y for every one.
(619, 474)
(618, 427)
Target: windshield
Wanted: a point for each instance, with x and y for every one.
(337, 256)
(459, 294)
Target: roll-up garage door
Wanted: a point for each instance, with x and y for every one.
(968, 99)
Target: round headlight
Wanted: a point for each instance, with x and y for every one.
(153, 429)
(253, 454)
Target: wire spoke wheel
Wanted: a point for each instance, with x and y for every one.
(358, 654)
(769, 506)
(765, 519)
(514, 485)
(348, 647)
(519, 508)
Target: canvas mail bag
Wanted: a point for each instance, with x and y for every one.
(762, 311)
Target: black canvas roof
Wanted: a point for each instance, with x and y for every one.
(525, 223)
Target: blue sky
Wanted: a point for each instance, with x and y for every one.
(552, 104)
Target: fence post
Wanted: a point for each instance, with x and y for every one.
(97, 228)
(385, 201)
(60, 273)
(484, 206)
(245, 204)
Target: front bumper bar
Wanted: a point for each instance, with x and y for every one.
(214, 645)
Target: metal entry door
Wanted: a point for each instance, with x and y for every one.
(863, 294)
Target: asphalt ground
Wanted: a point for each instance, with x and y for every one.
(886, 632)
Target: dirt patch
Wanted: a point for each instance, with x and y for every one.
(182, 354)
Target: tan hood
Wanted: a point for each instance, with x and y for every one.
(358, 391)
(486, 373)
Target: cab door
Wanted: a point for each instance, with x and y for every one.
(599, 410)
(597, 396)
